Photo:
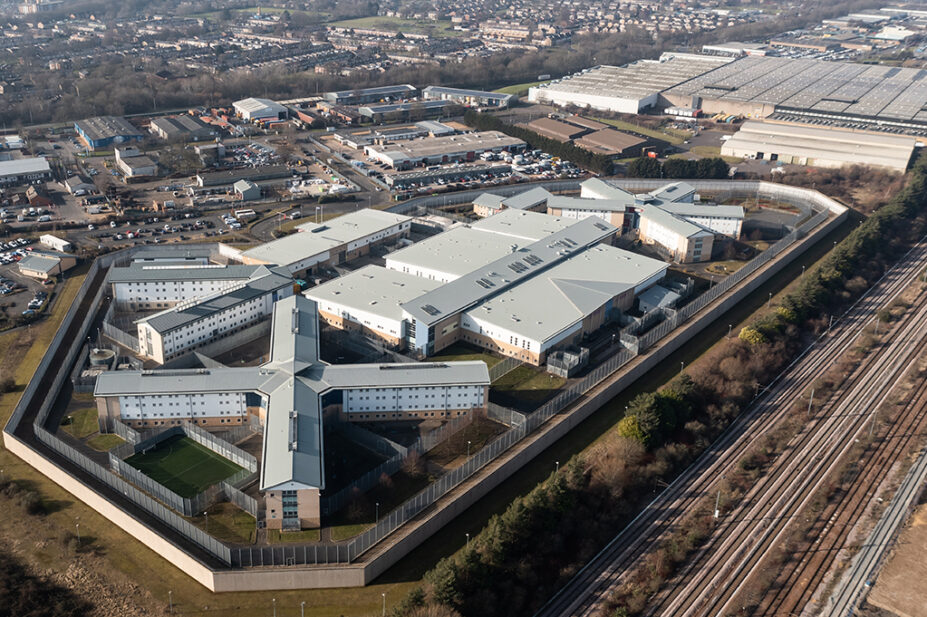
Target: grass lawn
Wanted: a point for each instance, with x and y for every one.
(436, 29)
(671, 135)
(228, 523)
(725, 267)
(80, 423)
(105, 442)
(525, 388)
(345, 460)
(344, 532)
(357, 517)
(519, 89)
(275, 536)
(183, 466)
(461, 352)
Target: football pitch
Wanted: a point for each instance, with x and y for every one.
(182, 465)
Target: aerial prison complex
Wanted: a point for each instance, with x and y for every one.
(521, 283)
(290, 395)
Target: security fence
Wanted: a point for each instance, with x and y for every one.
(188, 506)
(505, 415)
(219, 446)
(129, 434)
(503, 368)
(122, 337)
(246, 502)
(370, 440)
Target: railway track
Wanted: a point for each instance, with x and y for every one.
(716, 576)
(588, 587)
(799, 579)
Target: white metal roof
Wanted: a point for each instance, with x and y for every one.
(17, 167)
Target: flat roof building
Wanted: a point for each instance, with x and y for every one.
(408, 110)
(625, 89)
(556, 130)
(469, 98)
(106, 131)
(24, 171)
(489, 204)
(155, 284)
(254, 174)
(371, 95)
(819, 147)
(333, 242)
(466, 147)
(246, 190)
(43, 265)
(611, 142)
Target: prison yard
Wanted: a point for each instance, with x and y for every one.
(183, 466)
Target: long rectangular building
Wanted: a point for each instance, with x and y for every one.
(428, 150)
(145, 286)
(24, 171)
(333, 242)
(208, 317)
(106, 131)
(469, 98)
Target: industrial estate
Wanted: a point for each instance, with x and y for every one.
(665, 301)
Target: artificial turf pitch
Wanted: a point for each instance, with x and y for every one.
(183, 466)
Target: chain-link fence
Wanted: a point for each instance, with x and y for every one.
(505, 415)
(370, 440)
(219, 446)
(113, 332)
(246, 502)
(503, 368)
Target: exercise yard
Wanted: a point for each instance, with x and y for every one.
(183, 466)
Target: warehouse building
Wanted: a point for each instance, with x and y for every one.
(408, 110)
(819, 147)
(400, 92)
(289, 396)
(626, 89)
(133, 164)
(24, 171)
(331, 243)
(181, 128)
(435, 150)
(106, 131)
(468, 98)
(259, 110)
(556, 130)
(611, 142)
(207, 317)
(828, 93)
(246, 190)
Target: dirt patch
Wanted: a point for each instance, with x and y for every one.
(900, 588)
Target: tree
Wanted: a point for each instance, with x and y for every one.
(644, 167)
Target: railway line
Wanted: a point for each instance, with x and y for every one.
(712, 582)
(800, 578)
(582, 595)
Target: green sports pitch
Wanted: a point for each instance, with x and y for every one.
(183, 466)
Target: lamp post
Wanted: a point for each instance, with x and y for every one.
(170, 601)
(302, 609)
(729, 328)
(378, 513)
(468, 448)
(274, 600)
(468, 539)
(768, 302)
(77, 527)
(682, 366)
(206, 514)
(384, 604)
(557, 466)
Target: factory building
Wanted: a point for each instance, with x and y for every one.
(798, 144)
(289, 396)
(24, 171)
(400, 92)
(436, 150)
(408, 110)
(181, 128)
(468, 98)
(253, 174)
(259, 110)
(331, 243)
(627, 89)
(106, 131)
(133, 164)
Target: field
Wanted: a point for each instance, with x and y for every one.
(435, 29)
(183, 466)
(526, 388)
(519, 89)
(460, 352)
(672, 136)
